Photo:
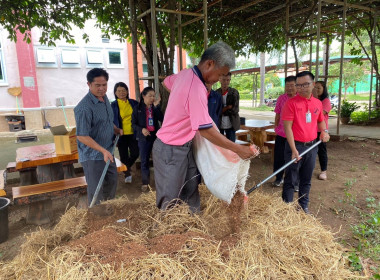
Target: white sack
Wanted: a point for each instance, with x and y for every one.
(223, 171)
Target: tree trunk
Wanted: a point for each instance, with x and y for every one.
(295, 54)
(134, 47)
(354, 89)
(326, 58)
(262, 77)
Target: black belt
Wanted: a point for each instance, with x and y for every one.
(306, 144)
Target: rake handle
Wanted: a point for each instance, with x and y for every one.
(95, 197)
(283, 167)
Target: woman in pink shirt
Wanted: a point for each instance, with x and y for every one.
(320, 92)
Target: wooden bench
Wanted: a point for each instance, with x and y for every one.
(242, 134)
(39, 192)
(240, 142)
(271, 134)
(38, 196)
(270, 145)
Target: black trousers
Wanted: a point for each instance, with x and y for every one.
(279, 160)
(128, 150)
(145, 147)
(302, 170)
(322, 154)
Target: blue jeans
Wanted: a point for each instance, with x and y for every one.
(230, 133)
(145, 148)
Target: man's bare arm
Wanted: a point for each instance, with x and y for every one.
(218, 139)
(88, 141)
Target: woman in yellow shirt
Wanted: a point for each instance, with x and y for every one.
(122, 117)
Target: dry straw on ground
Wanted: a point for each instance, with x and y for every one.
(274, 242)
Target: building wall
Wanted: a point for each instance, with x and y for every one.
(55, 80)
(11, 72)
(70, 82)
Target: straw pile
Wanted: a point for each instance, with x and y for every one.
(274, 241)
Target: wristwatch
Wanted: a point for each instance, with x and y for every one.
(326, 130)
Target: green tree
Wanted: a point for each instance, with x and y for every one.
(352, 74)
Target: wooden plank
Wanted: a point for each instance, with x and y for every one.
(269, 144)
(45, 197)
(38, 189)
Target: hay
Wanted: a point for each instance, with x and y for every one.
(275, 242)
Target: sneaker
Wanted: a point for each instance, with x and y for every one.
(296, 188)
(144, 188)
(306, 210)
(322, 176)
(128, 179)
(277, 183)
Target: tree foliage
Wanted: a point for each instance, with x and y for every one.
(352, 74)
(248, 26)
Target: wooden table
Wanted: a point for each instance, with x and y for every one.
(40, 164)
(44, 160)
(257, 132)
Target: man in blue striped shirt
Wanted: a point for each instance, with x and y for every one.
(95, 132)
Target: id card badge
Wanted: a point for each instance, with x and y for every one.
(150, 121)
(308, 117)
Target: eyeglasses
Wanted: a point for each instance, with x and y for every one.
(305, 85)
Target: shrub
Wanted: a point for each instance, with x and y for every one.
(347, 108)
(363, 116)
(275, 92)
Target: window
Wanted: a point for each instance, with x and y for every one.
(94, 58)
(115, 59)
(70, 58)
(3, 79)
(145, 68)
(46, 57)
(105, 39)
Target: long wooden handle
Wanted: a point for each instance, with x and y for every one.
(283, 167)
(95, 197)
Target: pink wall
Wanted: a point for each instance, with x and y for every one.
(27, 70)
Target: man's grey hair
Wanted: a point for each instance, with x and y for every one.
(221, 53)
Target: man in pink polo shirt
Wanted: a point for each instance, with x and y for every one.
(279, 146)
(302, 115)
(175, 170)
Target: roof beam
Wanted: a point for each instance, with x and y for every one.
(360, 7)
(242, 7)
(267, 12)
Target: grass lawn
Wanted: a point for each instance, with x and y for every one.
(260, 108)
